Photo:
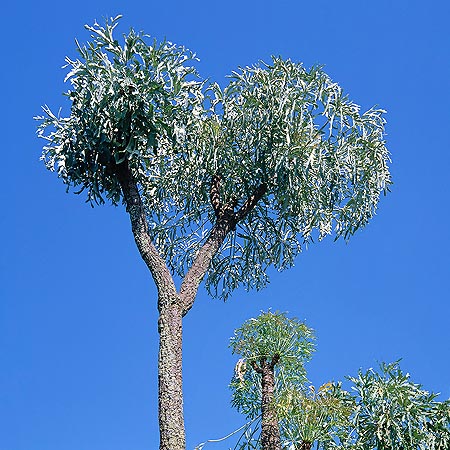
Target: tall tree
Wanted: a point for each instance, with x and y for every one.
(219, 184)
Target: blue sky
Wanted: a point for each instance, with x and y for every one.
(78, 335)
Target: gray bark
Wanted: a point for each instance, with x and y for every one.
(172, 305)
(170, 379)
(170, 395)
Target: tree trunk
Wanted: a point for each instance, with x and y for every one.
(270, 431)
(173, 306)
(170, 380)
(171, 419)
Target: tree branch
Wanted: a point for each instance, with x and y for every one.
(227, 220)
(251, 202)
(256, 368)
(200, 266)
(275, 360)
(149, 253)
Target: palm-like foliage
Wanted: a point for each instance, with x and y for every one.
(315, 417)
(263, 337)
(274, 333)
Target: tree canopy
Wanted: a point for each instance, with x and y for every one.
(284, 153)
(392, 412)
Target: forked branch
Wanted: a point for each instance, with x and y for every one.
(226, 221)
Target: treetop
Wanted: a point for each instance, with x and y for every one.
(280, 153)
(273, 333)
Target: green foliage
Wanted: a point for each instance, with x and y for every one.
(295, 130)
(133, 101)
(246, 390)
(272, 334)
(324, 165)
(386, 410)
(394, 413)
(323, 162)
(305, 415)
(264, 337)
(320, 417)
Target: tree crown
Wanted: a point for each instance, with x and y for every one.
(272, 337)
(286, 154)
(273, 333)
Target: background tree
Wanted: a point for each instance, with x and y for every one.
(218, 183)
(385, 411)
(274, 348)
(392, 412)
(293, 414)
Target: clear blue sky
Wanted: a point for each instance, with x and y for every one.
(78, 335)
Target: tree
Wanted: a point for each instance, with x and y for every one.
(219, 184)
(270, 382)
(392, 412)
(272, 346)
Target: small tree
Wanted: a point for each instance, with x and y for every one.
(270, 381)
(218, 183)
(273, 348)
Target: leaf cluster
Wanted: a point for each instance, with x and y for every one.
(319, 417)
(392, 412)
(322, 162)
(131, 101)
(273, 333)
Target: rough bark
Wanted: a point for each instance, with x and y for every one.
(172, 305)
(170, 379)
(305, 446)
(170, 395)
(270, 430)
